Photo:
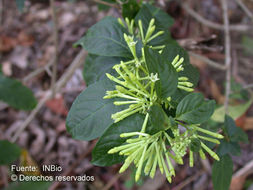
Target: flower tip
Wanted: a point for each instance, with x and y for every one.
(169, 179)
(137, 176)
(216, 157)
(111, 151)
(219, 136)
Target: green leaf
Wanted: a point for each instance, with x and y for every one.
(106, 39)
(233, 111)
(16, 94)
(130, 9)
(9, 152)
(171, 51)
(195, 145)
(222, 173)
(234, 133)
(232, 148)
(103, 7)
(247, 43)
(162, 22)
(90, 114)
(111, 138)
(31, 185)
(96, 66)
(167, 83)
(20, 5)
(193, 109)
(159, 119)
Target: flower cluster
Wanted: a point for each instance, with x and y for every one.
(134, 83)
(135, 87)
(160, 148)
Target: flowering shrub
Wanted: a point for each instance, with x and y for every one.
(140, 98)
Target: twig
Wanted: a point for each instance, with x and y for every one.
(210, 24)
(248, 86)
(107, 3)
(206, 165)
(38, 71)
(245, 8)
(112, 181)
(227, 54)
(208, 61)
(1, 11)
(246, 170)
(55, 36)
(74, 165)
(48, 94)
(188, 180)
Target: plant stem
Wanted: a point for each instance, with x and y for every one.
(227, 54)
(55, 37)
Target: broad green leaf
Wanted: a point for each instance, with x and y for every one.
(195, 145)
(130, 8)
(167, 83)
(111, 138)
(231, 148)
(193, 109)
(222, 173)
(238, 92)
(90, 114)
(158, 118)
(105, 38)
(171, 51)
(234, 133)
(95, 67)
(31, 185)
(233, 111)
(9, 152)
(162, 22)
(16, 94)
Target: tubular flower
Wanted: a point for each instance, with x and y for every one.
(147, 152)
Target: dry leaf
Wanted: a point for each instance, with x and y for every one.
(25, 39)
(248, 123)
(216, 94)
(26, 160)
(57, 105)
(237, 183)
(7, 43)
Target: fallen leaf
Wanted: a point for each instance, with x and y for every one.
(248, 123)
(57, 105)
(216, 94)
(6, 68)
(7, 43)
(24, 39)
(20, 56)
(237, 183)
(234, 111)
(27, 160)
(240, 121)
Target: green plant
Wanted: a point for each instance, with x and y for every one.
(16, 94)
(146, 113)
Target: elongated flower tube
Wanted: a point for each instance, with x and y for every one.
(146, 152)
